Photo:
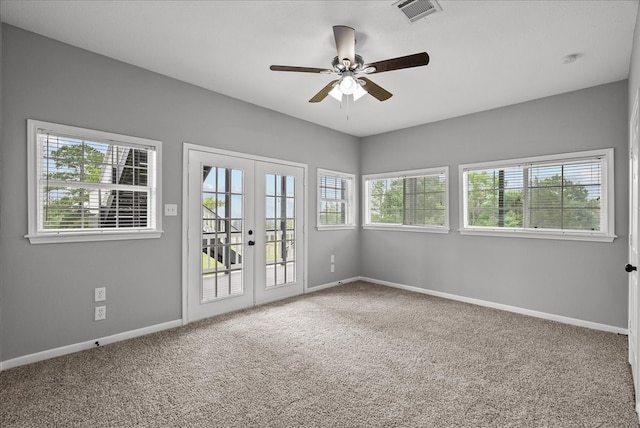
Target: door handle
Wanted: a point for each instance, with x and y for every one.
(630, 268)
(251, 243)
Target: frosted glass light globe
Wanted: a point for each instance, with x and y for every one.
(348, 85)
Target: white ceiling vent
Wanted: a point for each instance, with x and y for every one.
(417, 9)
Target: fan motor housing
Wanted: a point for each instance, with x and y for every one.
(338, 66)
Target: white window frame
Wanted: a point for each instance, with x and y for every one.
(366, 220)
(350, 201)
(38, 235)
(607, 198)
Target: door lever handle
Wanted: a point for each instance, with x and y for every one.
(630, 268)
(251, 243)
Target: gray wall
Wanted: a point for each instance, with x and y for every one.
(583, 280)
(47, 290)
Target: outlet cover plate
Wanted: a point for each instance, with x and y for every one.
(100, 294)
(101, 313)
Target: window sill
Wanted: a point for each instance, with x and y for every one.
(513, 233)
(337, 227)
(61, 237)
(399, 228)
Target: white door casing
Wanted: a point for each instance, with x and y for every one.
(633, 250)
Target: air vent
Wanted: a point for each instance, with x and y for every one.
(417, 9)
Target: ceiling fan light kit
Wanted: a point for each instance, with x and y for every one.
(348, 65)
(348, 83)
(357, 91)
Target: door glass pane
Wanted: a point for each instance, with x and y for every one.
(280, 230)
(222, 225)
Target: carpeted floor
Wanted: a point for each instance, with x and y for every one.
(358, 355)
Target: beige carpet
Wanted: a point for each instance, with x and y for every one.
(352, 356)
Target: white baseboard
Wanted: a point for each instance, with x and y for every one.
(508, 308)
(76, 347)
(331, 284)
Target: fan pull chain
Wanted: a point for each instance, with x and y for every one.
(347, 97)
(345, 101)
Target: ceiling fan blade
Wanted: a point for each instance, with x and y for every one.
(376, 91)
(345, 43)
(323, 92)
(300, 69)
(415, 60)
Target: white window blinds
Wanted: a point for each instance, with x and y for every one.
(407, 199)
(92, 185)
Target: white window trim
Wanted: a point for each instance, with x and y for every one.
(607, 235)
(366, 221)
(352, 214)
(36, 236)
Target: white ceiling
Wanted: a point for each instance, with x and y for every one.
(484, 54)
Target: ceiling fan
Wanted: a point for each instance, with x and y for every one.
(348, 66)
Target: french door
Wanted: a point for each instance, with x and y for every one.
(245, 232)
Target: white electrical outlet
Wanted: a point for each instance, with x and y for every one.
(333, 258)
(333, 267)
(100, 294)
(101, 313)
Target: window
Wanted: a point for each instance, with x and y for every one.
(567, 196)
(89, 185)
(336, 200)
(409, 200)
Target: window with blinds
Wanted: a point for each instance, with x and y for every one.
(409, 200)
(336, 200)
(567, 195)
(86, 183)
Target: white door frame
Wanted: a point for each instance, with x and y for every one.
(186, 147)
(634, 220)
